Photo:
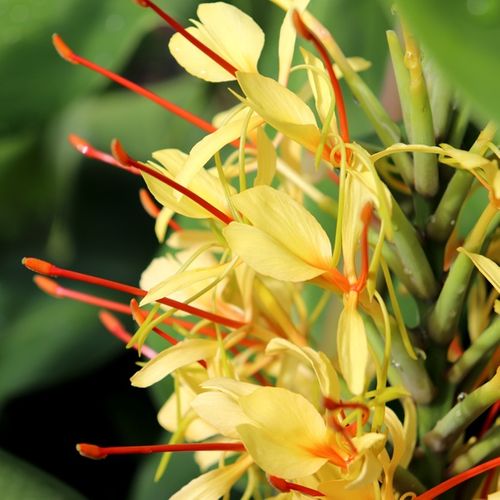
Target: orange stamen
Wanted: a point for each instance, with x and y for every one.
(66, 53)
(98, 452)
(286, 486)
(366, 215)
(122, 156)
(115, 327)
(458, 479)
(48, 269)
(180, 29)
(306, 33)
(86, 149)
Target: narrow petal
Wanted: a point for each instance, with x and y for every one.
(352, 347)
(489, 269)
(214, 484)
(266, 159)
(182, 354)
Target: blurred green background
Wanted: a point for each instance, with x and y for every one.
(63, 379)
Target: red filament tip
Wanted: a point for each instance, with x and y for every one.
(64, 51)
(306, 33)
(98, 452)
(39, 266)
(122, 156)
(47, 285)
(148, 204)
(114, 326)
(180, 29)
(86, 149)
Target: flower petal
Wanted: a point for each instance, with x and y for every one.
(281, 108)
(267, 256)
(489, 269)
(287, 222)
(352, 346)
(214, 484)
(182, 354)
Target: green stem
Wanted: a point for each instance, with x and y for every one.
(385, 128)
(402, 77)
(415, 263)
(405, 481)
(444, 218)
(489, 445)
(440, 96)
(403, 370)
(487, 340)
(422, 129)
(463, 414)
(459, 127)
(444, 317)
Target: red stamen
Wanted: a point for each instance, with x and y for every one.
(304, 31)
(285, 486)
(366, 215)
(487, 484)
(458, 479)
(48, 269)
(98, 452)
(114, 327)
(180, 29)
(490, 418)
(86, 149)
(122, 156)
(66, 53)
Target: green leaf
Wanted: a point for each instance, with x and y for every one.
(50, 341)
(19, 480)
(463, 37)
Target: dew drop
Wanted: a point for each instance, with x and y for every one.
(461, 396)
(452, 222)
(396, 364)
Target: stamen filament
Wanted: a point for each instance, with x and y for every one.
(66, 53)
(180, 29)
(304, 31)
(458, 479)
(153, 210)
(98, 452)
(114, 327)
(48, 269)
(124, 158)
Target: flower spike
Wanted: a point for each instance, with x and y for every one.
(181, 30)
(122, 156)
(66, 53)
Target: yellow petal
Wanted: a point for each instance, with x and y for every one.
(462, 159)
(182, 354)
(226, 30)
(266, 255)
(326, 375)
(180, 404)
(288, 222)
(229, 386)
(221, 412)
(287, 427)
(192, 281)
(266, 159)
(352, 346)
(211, 144)
(488, 268)
(161, 223)
(281, 108)
(214, 484)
